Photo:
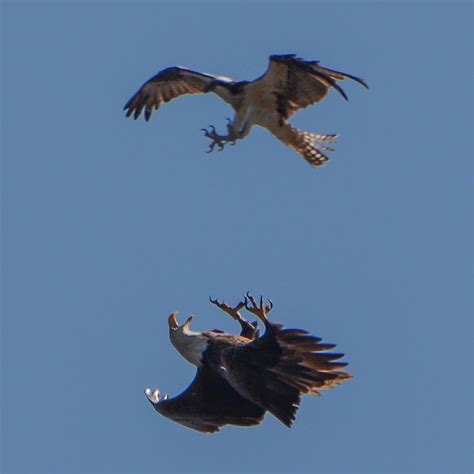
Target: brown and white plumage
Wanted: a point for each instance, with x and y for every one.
(240, 377)
(288, 85)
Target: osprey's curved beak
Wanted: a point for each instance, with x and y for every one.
(173, 322)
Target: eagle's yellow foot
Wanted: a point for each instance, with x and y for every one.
(249, 330)
(231, 311)
(260, 310)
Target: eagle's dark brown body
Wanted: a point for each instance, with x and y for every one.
(240, 377)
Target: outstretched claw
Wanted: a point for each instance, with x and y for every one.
(260, 310)
(215, 137)
(233, 312)
(220, 140)
(249, 330)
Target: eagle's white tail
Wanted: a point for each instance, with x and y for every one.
(305, 143)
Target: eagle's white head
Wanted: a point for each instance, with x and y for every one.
(190, 344)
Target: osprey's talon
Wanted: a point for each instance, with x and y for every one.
(217, 139)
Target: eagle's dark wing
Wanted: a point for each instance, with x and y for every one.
(209, 403)
(297, 83)
(167, 85)
(276, 369)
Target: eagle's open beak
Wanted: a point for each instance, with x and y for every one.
(188, 322)
(172, 321)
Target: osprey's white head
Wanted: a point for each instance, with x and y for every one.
(190, 344)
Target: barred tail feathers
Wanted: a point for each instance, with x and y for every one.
(305, 143)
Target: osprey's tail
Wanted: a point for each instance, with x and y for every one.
(305, 143)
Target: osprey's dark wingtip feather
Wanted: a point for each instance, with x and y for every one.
(357, 79)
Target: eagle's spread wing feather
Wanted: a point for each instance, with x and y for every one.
(277, 368)
(165, 86)
(297, 83)
(209, 403)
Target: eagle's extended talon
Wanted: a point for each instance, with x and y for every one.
(249, 330)
(261, 309)
(232, 311)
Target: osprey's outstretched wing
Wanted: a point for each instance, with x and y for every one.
(167, 85)
(207, 404)
(297, 83)
(277, 368)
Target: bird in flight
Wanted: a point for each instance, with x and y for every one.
(240, 377)
(288, 85)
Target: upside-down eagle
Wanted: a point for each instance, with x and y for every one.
(240, 377)
(288, 85)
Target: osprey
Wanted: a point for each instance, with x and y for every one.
(288, 85)
(240, 377)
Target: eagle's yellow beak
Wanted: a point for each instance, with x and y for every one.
(188, 322)
(173, 322)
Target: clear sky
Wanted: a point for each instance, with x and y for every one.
(110, 224)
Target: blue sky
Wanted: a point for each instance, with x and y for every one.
(109, 224)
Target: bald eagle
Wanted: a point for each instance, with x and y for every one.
(240, 377)
(288, 85)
